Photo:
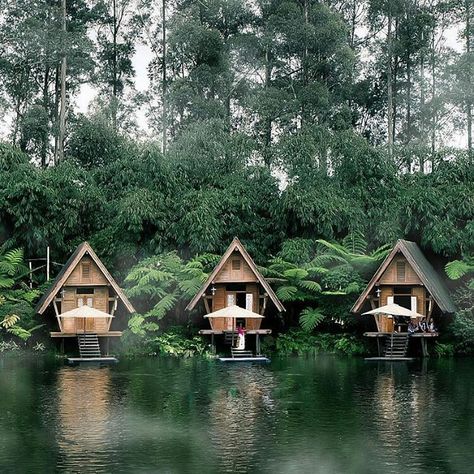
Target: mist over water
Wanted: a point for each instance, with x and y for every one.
(324, 415)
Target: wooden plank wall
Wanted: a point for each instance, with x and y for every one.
(389, 277)
(96, 276)
(229, 274)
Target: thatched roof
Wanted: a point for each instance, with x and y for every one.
(422, 267)
(66, 271)
(236, 246)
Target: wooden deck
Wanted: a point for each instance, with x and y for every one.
(100, 334)
(389, 359)
(208, 332)
(244, 359)
(91, 360)
(416, 334)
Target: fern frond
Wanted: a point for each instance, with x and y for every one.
(458, 268)
(286, 293)
(310, 318)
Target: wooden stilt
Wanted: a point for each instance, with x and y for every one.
(62, 345)
(378, 346)
(424, 347)
(257, 343)
(108, 345)
(213, 345)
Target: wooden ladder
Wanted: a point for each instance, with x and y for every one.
(88, 346)
(396, 345)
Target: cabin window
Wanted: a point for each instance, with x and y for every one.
(236, 287)
(235, 265)
(85, 302)
(85, 291)
(86, 271)
(402, 290)
(401, 271)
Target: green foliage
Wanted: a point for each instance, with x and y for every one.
(310, 318)
(300, 342)
(444, 349)
(456, 269)
(16, 310)
(174, 342)
(162, 284)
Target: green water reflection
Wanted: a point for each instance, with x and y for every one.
(327, 415)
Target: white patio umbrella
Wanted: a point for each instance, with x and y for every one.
(85, 312)
(235, 312)
(395, 310)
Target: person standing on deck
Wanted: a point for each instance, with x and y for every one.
(241, 337)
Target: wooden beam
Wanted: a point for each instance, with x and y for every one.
(206, 303)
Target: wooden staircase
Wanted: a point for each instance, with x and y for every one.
(396, 345)
(228, 337)
(88, 346)
(240, 353)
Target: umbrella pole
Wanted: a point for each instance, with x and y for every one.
(233, 331)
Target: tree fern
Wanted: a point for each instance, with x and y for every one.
(355, 243)
(459, 268)
(310, 318)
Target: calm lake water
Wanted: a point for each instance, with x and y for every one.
(324, 415)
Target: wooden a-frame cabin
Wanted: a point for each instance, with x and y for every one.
(408, 279)
(85, 302)
(236, 281)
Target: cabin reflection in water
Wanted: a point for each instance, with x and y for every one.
(84, 417)
(403, 407)
(236, 416)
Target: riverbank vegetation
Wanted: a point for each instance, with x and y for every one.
(316, 132)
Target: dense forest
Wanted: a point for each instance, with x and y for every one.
(293, 124)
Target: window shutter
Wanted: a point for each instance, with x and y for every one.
(230, 300)
(389, 299)
(401, 271)
(414, 302)
(249, 301)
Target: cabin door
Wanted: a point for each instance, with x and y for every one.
(85, 324)
(231, 300)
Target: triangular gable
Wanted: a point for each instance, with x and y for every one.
(236, 245)
(424, 270)
(69, 267)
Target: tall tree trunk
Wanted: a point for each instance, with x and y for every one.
(468, 5)
(434, 118)
(422, 104)
(389, 87)
(45, 100)
(62, 114)
(164, 123)
(57, 93)
(114, 64)
(305, 58)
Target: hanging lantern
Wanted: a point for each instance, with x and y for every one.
(213, 290)
(378, 292)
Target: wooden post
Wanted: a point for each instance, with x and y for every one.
(62, 345)
(213, 346)
(108, 345)
(424, 347)
(378, 346)
(257, 343)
